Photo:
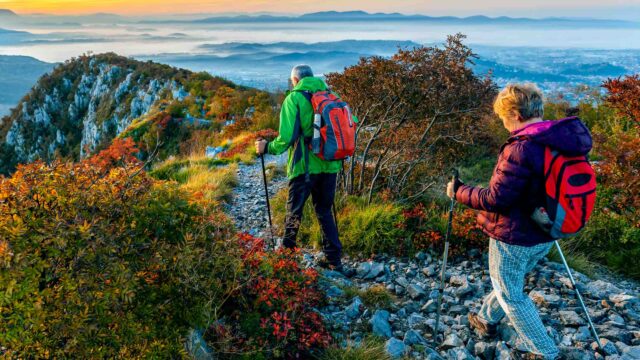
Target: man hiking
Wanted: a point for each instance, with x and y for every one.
(308, 173)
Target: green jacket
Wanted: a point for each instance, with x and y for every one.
(297, 113)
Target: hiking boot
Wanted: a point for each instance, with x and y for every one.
(483, 329)
(347, 272)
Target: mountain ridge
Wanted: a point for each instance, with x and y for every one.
(82, 105)
(380, 16)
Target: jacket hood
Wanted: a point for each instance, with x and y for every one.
(568, 136)
(312, 84)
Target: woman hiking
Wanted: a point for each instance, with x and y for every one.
(515, 191)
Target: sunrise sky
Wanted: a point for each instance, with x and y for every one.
(435, 7)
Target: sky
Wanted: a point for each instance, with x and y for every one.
(529, 8)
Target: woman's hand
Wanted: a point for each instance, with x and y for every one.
(451, 189)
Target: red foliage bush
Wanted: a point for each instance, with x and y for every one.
(624, 96)
(427, 226)
(120, 152)
(274, 316)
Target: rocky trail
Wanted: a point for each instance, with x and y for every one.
(406, 323)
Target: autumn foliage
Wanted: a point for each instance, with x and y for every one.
(275, 315)
(105, 262)
(624, 96)
(418, 110)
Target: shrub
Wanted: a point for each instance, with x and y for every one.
(428, 225)
(276, 316)
(371, 229)
(375, 296)
(369, 349)
(106, 263)
(242, 147)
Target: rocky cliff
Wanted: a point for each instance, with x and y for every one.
(82, 105)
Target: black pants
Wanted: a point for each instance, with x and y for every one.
(322, 189)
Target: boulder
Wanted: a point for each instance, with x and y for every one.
(607, 347)
(459, 354)
(452, 341)
(395, 348)
(416, 292)
(601, 289)
(413, 337)
(355, 308)
(571, 318)
(484, 350)
(380, 323)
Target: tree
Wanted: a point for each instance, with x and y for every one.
(416, 110)
(624, 96)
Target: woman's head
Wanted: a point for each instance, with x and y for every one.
(518, 104)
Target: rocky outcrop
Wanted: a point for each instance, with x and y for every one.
(83, 104)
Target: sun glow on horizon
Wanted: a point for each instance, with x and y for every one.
(435, 7)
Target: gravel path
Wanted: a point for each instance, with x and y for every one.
(249, 206)
(408, 322)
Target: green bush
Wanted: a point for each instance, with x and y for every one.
(371, 229)
(364, 229)
(105, 264)
(611, 240)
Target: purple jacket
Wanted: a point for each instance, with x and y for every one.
(517, 184)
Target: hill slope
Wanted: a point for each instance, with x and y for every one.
(17, 75)
(83, 104)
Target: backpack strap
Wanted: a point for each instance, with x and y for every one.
(305, 140)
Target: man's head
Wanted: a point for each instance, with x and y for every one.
(300, 72)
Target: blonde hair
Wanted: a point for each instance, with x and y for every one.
(525, 100)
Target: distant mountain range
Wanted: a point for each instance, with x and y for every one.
(7, 12)
(336, 16)
(11, 18)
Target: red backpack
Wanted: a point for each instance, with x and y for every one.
(336, 126)
(570, 184)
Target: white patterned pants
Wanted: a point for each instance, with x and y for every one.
(508, 266)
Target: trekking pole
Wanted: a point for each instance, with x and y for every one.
(575, 288)
(445, 255)
(266, 192)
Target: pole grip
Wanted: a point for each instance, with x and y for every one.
(455, 175)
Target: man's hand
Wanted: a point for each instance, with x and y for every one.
(261, 146)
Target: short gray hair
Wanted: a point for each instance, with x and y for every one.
(301, 71)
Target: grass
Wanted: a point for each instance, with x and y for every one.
(364, 229)
(275, 171)
(371, 348)
(199, 174)
(178, 168)
(215, 184)
(577, 261)
(375, 297)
